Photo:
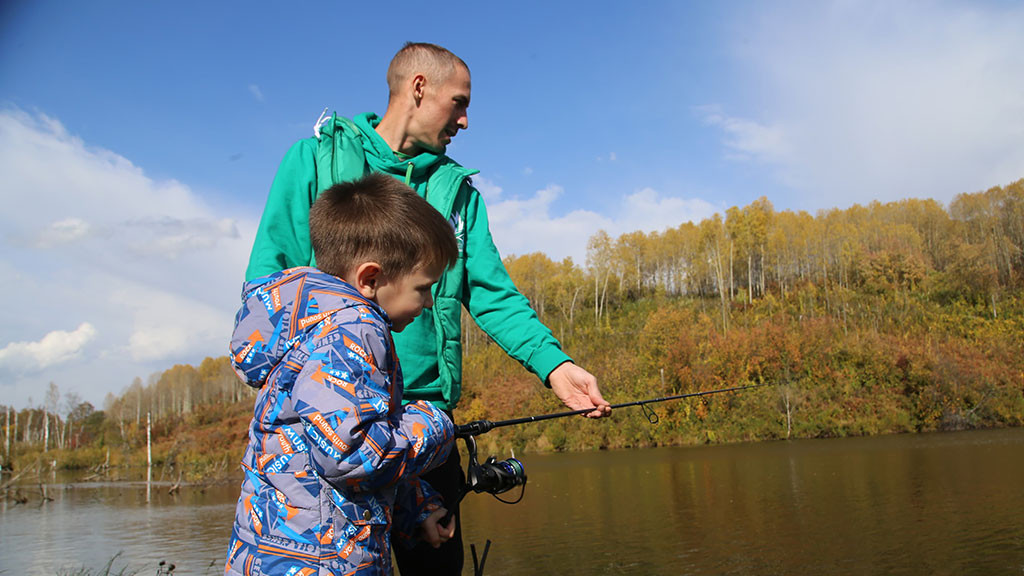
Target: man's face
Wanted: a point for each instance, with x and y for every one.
(442, 111)
(403, 298)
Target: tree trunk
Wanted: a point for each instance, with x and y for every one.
(789, 413)
(750, 278)
(604, 294)
(732, 284)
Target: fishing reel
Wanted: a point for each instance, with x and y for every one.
(493, 476)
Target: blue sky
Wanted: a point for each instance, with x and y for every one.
(138, 139)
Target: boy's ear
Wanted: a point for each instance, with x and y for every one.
(368, 279)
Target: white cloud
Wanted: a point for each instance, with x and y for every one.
(489, 190)
(63, 232)
(171, 237)
(855, 101)
(649, 211)
(55, 348)
(165, 324)
(256, 92)
(746, 139)
(522, 226)
(163, 236)
(88, 239)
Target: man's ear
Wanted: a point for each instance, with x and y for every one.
(419, 83)
(368, 279)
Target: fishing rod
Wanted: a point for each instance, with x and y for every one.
(479, 427)
(497, 477)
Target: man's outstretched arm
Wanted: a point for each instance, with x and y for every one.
(506, 316)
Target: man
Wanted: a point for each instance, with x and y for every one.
(429, 94)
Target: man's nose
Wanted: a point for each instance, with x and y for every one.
(463, 122)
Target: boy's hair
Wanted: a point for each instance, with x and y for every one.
(378, 219)
(434, 61)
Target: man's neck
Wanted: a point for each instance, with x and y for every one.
(393, 130)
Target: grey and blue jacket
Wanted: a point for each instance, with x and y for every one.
(333, 457)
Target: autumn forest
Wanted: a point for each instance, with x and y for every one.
(887, 318)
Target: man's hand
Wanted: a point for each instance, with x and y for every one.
(431, 530)
(577, 389)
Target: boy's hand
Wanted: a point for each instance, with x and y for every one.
(577, 389)
(433, 532)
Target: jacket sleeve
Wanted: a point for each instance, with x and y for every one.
(497, 305)
(415, 500)
(360, 438)
(282, 239)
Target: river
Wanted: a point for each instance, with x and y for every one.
(950, 503)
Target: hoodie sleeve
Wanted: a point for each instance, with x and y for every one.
(360, 435)
(497, 305)
(282, 239)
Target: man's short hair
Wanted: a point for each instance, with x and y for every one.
(431, 60)
(378, 219)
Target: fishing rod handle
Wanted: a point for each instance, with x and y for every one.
(474, 428)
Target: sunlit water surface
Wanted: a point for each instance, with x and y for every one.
(915, 504)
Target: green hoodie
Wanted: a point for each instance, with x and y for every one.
(430, 348)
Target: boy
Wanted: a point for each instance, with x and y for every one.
(332, 452)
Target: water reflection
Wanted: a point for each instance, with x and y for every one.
(87, 524)
(927, 504)
(931, 504)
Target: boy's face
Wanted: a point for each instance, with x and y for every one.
(403, 298)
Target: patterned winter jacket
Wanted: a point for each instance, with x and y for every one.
(332, 452)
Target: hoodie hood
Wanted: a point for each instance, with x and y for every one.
(279, 312)
(435, 177)
(380, 157)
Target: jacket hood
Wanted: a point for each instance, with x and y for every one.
(281, 311)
